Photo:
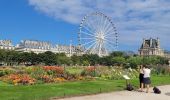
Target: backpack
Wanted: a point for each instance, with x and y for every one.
(156, 90)
(129, 87)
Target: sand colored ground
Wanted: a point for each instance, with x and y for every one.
(127, 95)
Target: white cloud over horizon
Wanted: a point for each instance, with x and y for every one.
(134, 19)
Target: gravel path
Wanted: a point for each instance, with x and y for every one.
(127, 95)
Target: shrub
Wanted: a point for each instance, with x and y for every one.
(46, 78)
(89, 71)
(159, 70)
(6, 71)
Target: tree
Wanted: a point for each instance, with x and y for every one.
(106, 60)
(162, 60)
(15, 57)
(92, 59)
(11, 57)
(85, 63)
(2, 56)
(134, 61)
(61, 58)
(33, 58)
(117, 54)
(75, 60)
(23, 58)
(118, 61)
(49, 58)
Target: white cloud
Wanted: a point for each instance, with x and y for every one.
(134, 19)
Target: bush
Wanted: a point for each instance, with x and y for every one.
(4, 72)
(46, 78)
(161, 70)
(90, 71)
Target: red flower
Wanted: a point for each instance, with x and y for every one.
(57, 69)
(90, 68)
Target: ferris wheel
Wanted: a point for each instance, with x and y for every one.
(97, 34)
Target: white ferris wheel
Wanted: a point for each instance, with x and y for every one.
(97, 34)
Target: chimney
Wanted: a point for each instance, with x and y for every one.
(150, 42)
(143, 42)
(158, 42)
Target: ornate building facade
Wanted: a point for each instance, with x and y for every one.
(33, 46)
(6, 44)
(151, 47)
(42, 46)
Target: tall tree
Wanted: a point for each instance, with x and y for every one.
(49, 58)
(117, 54)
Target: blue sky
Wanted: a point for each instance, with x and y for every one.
(19, 21)
(58, 21)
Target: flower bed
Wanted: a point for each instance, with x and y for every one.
(54, 74)
(16, 79)
(54, 70)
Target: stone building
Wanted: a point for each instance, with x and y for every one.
(6, 44)
(37, 46)
(33, 46)
(43, 46)
(151, 47)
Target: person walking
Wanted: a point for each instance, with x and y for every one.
(141, 77)
(146, 78)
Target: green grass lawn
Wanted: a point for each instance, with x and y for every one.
(45, 91)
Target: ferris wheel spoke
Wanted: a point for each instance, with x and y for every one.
(104, 23)
(88, 42)
(91, 25)
(96, 49)
(94, 22)
(109, 29)
(110, 37)
(90, 47)
(110, 46)
(101, 23)
(108, 34)
(84, 27)
(111, 43)
(98, 23)
(88, 34)
(93, 49)
(108, 41)
(100, 47)
(107, 26)
(86, 38)
(106, 50)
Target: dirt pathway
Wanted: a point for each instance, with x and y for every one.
(127, 95)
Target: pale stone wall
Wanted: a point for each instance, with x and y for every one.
(147, 50)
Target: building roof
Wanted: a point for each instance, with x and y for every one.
(150, 43)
